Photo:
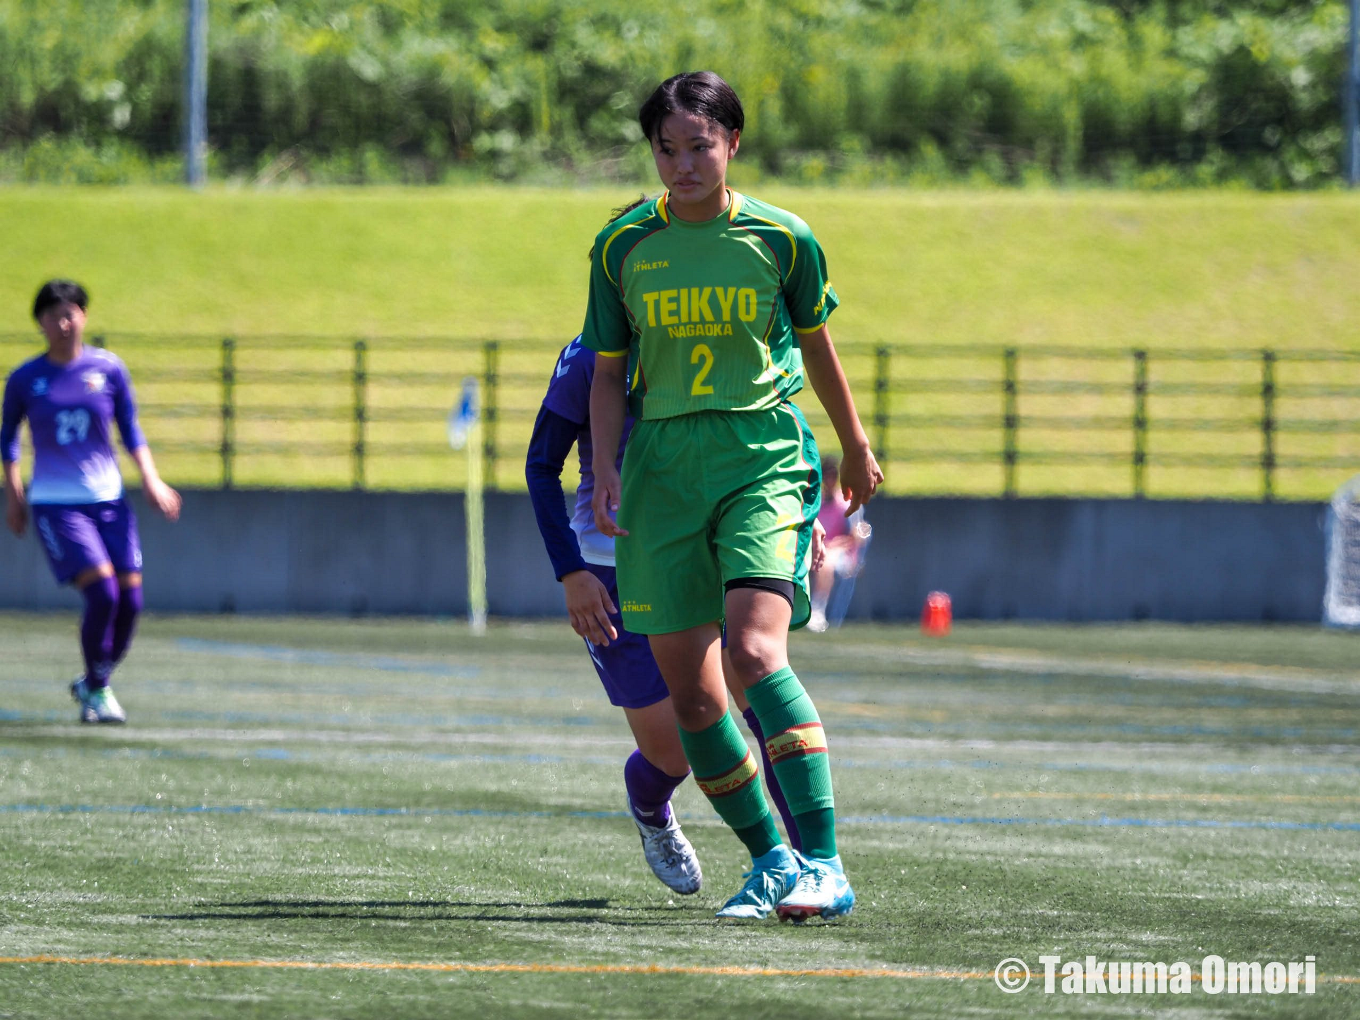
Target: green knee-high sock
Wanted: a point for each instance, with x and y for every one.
(729, 777)
(797, 749)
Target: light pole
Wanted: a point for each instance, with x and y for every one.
(1352, 98)
(195, 92)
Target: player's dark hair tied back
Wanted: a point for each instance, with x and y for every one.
(622, 210)
(54, 292)
(701, 93)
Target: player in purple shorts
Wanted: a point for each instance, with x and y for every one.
(71, 395)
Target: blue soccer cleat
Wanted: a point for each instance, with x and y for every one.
(771, 877)
(821, 891)
(98, 705)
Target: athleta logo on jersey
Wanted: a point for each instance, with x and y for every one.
(699, 311)
(94, 381)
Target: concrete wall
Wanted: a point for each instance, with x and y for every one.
(1090, 559)
(366, 552)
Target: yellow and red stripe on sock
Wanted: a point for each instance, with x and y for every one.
(796, 741)
(729, 782)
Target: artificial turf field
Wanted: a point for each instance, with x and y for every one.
(368, 818)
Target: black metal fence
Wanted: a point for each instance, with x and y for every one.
(977, 419)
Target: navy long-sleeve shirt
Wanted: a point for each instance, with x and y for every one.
(563, 420)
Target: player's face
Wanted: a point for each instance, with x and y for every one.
(691, 154)
(62, 324)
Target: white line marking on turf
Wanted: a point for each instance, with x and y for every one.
(1277, 678)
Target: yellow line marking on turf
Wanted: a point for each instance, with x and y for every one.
(1218, 798)
(555, 968)
(509, 968)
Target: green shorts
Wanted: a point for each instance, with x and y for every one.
(709, 498)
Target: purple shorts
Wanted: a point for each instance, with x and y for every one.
(79, 536)
(626, 667)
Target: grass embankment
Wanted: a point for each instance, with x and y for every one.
(1099, 271)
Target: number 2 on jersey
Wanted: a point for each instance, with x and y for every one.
(702, 353)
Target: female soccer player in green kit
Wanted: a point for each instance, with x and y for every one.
(719, 303)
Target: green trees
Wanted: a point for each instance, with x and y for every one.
(1132, 92)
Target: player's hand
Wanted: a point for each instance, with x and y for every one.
(163, 498)
(860, 477)
(606, 501)
(16, 515)
(818, 546)
(589, 606)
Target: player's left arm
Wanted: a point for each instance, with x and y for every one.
(811, 299)
(860, 474)
(158, 494)
(588, 602)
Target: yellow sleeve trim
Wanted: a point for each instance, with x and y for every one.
(810, 329)
(793, 241)
(604, 253)
(614, 354)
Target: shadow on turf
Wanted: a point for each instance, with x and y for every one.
(296, 904)
(329, 910)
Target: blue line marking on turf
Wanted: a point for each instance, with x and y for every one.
(51, 715)
(314, 657)
(1104, 821)
(1101, 822)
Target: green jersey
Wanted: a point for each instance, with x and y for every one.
(708, 313)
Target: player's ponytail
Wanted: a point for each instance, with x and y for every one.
(701, 93)
(616, 214)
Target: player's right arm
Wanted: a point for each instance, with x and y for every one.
(606, 332)
(12, 413)
(16, 507)
(608, 407)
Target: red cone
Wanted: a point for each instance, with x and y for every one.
(938, 614)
